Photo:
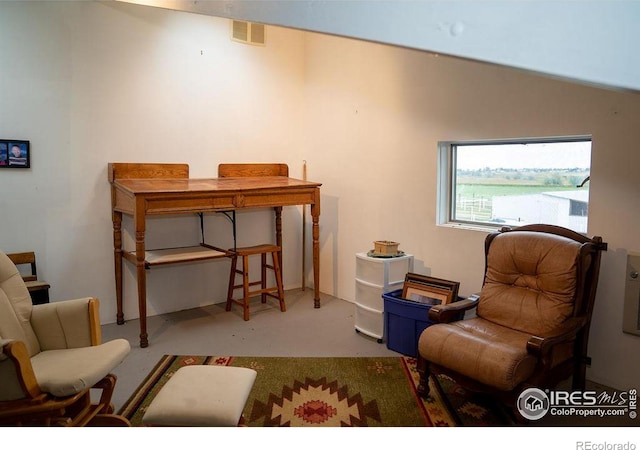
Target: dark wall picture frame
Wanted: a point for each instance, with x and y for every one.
(15, 154)
(429, 290)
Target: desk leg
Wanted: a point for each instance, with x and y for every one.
(142, 277)
(315, 231)
(278, 211)
(117, 258)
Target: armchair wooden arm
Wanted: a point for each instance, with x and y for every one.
(18, 355)
(35, 407)
(541, 346)
(451, 311)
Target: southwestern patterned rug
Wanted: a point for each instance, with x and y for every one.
(334, 392)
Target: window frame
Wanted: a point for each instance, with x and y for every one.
(446, 169)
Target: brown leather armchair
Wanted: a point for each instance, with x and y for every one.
(532, 316)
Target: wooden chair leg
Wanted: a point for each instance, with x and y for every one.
(245, 286)
(232, 282)
(106, 416)
(276, 268)
(263, 277)
(422, 366)
(109, 420)
(107, 384)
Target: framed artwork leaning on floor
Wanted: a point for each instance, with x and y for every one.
(429, 290)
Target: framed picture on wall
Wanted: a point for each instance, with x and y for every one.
(15, 154)
(429, 290)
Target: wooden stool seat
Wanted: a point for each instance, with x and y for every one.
(264, 290)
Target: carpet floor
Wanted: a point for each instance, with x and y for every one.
(333, 392)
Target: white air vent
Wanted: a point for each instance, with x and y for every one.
(248, 32)
(631, 318)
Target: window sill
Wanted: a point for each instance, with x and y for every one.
(470, 226)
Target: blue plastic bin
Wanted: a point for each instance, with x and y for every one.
(404, 322)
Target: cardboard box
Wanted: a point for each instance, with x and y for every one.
(385, 247)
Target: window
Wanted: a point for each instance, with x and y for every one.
(515, 182)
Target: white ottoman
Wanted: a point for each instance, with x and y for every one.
(209, 396)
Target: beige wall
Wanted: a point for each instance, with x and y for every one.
(375, 114)
(94, 83)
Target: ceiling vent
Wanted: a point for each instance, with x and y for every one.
(248, 32)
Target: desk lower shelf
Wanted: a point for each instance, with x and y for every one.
(178, 255)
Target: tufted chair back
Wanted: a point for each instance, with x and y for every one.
(532, 281)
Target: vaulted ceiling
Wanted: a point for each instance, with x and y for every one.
(592, 42)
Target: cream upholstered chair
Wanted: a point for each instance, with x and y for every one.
(532, 315)
(51, 358)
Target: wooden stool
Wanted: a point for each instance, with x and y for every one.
(264, 291)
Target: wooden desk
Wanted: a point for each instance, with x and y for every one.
(140, 190)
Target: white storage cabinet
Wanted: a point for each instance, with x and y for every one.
(374, 277)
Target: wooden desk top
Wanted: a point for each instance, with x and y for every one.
(185, 195)
(200, 185)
